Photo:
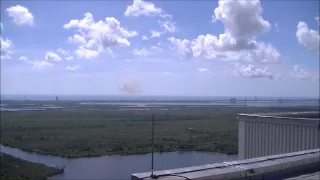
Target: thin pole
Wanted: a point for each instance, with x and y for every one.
(245, 103)
(152, 144)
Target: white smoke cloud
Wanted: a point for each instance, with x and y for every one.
(130, 86)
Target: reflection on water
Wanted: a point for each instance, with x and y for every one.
(118, 167)
(207, 104)
(22, 109)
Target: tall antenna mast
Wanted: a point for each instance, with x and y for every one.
(152, 144)
(245, 103)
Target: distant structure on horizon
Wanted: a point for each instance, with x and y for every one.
(57, 99)
(233, 100)
(256, 98)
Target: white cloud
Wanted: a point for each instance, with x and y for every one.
(263, 53)
(23, 58)
(20, 15)
(36, 63)
(76, 39)
(307, 37)
(50, 56)
(155, 33)
(140, 52)
(144, 37)
(168, 26)
(223, 48)
(144, 8)
(182, 46)
(69, 58)
(154, 47)
(276, 27)
(98, 36)
(72, 68)
(62, 51)
(86, 53)
(166, 73)
(5, 48)
(317, 19)
(39, 64)
(202, 69)
(300, 74)
(1, 27)
(242, 21)
(251, 71)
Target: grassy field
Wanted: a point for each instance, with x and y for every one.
(93, 130)
(17, 169)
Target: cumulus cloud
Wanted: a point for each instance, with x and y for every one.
(155, 33)
(144, 37)
(50, 56)
(39, 64)
(263, 53)
(72, 68)
(5, 48)
(95, 37)
(307, 37)
(242, 19)
(300, 74)
(62, 51)
(251, 71)
(76, 39)
(130, 86)
(168, 26)
(202, 69)
(183, 47)
(85, 53)
(36, 63)
(23, 58)
(1, 27)
(69, 58)
(20, 15)
(242, 22)
(156, 48)
(144, 8)
(140, 52)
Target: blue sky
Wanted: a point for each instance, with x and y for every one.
(207, 48)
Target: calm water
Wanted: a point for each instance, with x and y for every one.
(118, 167)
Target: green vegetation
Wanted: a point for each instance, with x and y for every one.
(93, 130)
(17, 169)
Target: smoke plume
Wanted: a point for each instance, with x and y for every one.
(130, 86)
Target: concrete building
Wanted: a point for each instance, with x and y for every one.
(277, 133)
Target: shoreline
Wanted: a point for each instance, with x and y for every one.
(110, 154)
(15, 167)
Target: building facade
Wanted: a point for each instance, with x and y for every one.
(265, 135)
